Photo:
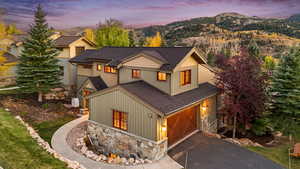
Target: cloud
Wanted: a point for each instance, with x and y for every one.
(69, 13)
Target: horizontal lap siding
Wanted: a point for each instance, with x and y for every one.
(141, 120)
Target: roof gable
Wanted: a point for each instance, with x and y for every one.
(112, 89)
(191, 58)
(64, 41)
(142, 60)
(95, 83)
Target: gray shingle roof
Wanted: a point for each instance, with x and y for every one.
(170, 56)
(98, 83)
(65, 41)
(165, 103)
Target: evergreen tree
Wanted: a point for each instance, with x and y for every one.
(253, 49)
(38, 70)
(131, 39)
(285, 93)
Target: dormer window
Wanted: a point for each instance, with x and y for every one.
(109, 69)
(161, 76)
(136, 73)
(99, 67)
(185, 77)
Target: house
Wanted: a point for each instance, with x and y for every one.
(8, 67)
(144, 100)
(69, 47)
(17, 46)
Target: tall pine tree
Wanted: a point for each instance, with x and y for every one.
(38, 70)
(285, 93)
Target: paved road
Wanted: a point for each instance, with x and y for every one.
(211, 153)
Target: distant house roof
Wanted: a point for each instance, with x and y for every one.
(169, 56)
(65, 41)
(165, 103)
(10, 57)
(98, 83)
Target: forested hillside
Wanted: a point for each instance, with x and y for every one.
(230, 31)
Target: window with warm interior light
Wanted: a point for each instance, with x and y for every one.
(185, 77)
(161, 76)
(120, 120)
(136, 73)
(109, 69)
(99, 67)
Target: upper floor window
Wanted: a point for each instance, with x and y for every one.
(185, 77)
(136, 73)
(99, 67)
(109, 69)
(79, 50)
(120, 120)
(161, 76)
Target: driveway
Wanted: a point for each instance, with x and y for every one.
(212, 153)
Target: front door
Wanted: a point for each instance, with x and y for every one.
(181, 124)
(85, 93)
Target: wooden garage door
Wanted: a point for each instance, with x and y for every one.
(181, 124)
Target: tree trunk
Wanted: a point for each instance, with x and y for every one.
(40, 98)
(234, 126)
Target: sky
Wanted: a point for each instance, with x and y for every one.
(72, 13)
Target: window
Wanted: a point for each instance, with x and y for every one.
(109, 69)
(161, 76)
(136, 73)
(120, 120)
(79, 50)
(185, 77)
(99, 67)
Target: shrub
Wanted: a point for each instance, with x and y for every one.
(261, 126)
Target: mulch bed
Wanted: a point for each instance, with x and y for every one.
(263, 140)
(34, 112)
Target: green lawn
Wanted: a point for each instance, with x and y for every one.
(279, 154)
(19, 151)
(47, 129)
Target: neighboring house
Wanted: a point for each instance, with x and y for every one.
(70, 46)
(145, 100)
(8, 67)
(5, 42)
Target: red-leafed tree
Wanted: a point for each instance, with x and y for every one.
(243, 85)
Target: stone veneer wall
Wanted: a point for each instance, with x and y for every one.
(111, 140)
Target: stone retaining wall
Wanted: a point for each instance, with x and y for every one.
(110, 140)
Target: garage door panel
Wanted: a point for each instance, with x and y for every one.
(181, 124)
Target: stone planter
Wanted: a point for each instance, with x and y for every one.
(110, 140)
